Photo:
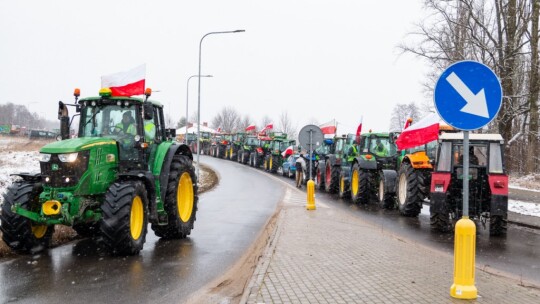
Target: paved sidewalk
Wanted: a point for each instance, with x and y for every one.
(330, 256)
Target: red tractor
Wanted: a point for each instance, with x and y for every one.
(488, 182)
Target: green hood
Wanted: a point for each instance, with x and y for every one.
(76, 144)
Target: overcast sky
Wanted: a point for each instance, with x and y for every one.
(316, 60)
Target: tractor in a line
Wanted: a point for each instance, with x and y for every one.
(488, 182)
(120, 173)
(251, 142)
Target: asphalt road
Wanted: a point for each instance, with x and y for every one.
(229, 219)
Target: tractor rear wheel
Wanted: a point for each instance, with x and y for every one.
(331, 184)
(274, 163)
(319, 182)
(386, 200)
(344, 190)
(411, 191)
(440, 222)
(497, 225)
(180, 200)
(361, 189)
(19, 232)
(125, 218)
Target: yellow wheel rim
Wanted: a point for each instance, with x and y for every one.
(136, 218)
(342, 185)
(354, 182)
(270, 165)
(39, 231)
(184, 197)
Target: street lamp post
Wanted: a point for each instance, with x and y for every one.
(199, 95)
(187, 101)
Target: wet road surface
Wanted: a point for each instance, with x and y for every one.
(229, 218)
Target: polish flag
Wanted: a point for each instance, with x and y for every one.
(287, 151)
(219, 130)
(250, 128)
(359, 131)
(126, 83)
(329, 128)
(420, 133)
(407, 123)
(268, 127)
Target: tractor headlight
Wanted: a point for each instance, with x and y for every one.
(68, 158)
(44, 157)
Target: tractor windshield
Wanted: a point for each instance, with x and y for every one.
(252, 141)
(109, 120)
(382, 147)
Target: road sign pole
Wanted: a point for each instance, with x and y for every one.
(465, 174)
(310, 155)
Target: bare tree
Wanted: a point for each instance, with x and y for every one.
(228, 120)
(285, 125)
(244, 123)
(401, 113)
(534, 84)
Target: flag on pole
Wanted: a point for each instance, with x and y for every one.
(420, 133)
(250, 128)
(126, 83)
(359, 131)
(219, 130)
(268, 127)
(407, 123)
(329, 128)
(287, 151)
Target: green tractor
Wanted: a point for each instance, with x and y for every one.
(258, 157)
(371, 170)
(251, 142)
(237, 140)
(122, 172)
(274, 159)
(337, 160)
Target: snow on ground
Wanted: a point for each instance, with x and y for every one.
(16, 162)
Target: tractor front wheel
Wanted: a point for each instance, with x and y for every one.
(344, 190)
(497, 225)
(125, 218)
(180, 200)
(361, 190)
(18, 232)
(386, 200)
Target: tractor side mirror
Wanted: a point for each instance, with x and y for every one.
(63, 116)
(170, 133)
(148, 111)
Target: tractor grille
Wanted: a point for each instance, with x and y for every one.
(62, 174)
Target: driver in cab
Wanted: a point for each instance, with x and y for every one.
(380, 148)
(126, 126)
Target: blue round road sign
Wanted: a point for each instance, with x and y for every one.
(468, 95)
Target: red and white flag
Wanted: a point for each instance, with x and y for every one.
(407, 123)
(218, 130)
(287, 151)
(359, 131)
(250, 128)
(420, 133)
(268, 127)
(127, 83)
(329, 128)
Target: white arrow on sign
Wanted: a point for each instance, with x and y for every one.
(476, 104)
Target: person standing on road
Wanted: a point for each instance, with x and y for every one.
(300, 165)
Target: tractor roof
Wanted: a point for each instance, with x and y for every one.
(472, 136)
(137, 99)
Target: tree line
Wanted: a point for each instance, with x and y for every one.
(13, 114)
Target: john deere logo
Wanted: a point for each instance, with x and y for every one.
(54, 167)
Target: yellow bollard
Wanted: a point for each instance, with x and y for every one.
(464, 256)
(310, 195)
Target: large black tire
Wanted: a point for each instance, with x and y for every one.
(440, 222)
(125, 218)
(239, 156)
(412, 189)
(497, 225)
(18, 232)
(274, 163)
(331, 184)
(361, 188)
(386, 200)
(246, 156)
(344, 187)
(319, 179)
(180, 200)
